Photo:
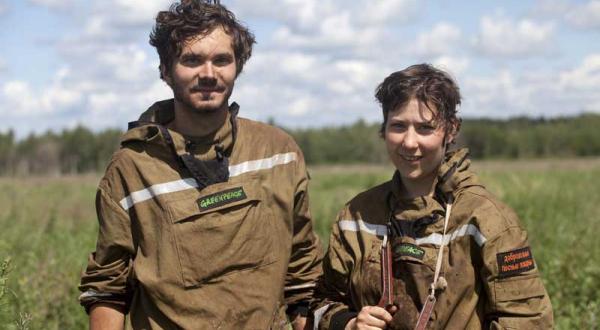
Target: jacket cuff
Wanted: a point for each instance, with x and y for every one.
(119, 302)
(339, 320)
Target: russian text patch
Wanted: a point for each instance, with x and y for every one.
(515, 261)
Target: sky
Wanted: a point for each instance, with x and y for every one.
(316, 63)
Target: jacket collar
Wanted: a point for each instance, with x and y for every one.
(453, 177)
(162, 113)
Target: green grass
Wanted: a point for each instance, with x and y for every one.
(48, 227)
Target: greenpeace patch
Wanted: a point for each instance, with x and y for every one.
(409, 250)
(221, 198)
(515, 262)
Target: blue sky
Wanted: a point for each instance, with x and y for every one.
(317, 62)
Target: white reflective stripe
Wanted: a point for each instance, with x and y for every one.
(157, 189)
(94, 294)
(359, 225)
(189, 183)
(318, 314)
(464, 230)
(436, 239)
(299, 286)
(261, 164)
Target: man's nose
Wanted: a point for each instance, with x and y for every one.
(206, 71)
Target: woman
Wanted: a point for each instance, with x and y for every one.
(431, 248)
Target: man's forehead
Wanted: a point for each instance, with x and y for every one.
(217, 37)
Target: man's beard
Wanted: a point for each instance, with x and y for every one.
(186, 100)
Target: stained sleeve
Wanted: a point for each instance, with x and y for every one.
(106, 276)
(305, 261)
(331, 306)
(517, 298)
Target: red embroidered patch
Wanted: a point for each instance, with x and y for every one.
(515, 262)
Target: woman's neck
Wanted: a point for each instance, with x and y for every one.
(413, 188)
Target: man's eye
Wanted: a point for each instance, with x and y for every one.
(190, 61)
(222, 61)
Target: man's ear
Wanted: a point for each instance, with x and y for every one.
(165, 75)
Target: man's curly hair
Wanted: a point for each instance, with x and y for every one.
(188, 19)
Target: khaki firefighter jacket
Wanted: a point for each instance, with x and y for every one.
(229, 256)
(492, 279)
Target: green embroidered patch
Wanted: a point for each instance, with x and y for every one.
(221, 198)
(409, 250)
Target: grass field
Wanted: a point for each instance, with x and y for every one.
(48, 226)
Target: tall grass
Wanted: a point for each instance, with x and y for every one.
(48, 226)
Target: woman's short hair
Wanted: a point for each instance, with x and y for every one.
(429, 85)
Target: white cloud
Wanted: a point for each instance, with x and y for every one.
(329, 25)
(303, 89)
(388, 11)
(503, 37)
(536, 92)
(586, 16)
(453, 65)
(584, 77)
(440, 40)
(24, 101)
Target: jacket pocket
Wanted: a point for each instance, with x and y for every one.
(226, 229)
(518, 288)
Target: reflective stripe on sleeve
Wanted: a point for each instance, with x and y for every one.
(189, 183)
(299, 287)
(94, 294)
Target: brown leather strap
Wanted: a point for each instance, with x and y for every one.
(387, 298)
(425, 313)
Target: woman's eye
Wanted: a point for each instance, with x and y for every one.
(427, 128)
(398, 126)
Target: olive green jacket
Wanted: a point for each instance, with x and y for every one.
(232, 255)
(492, 279)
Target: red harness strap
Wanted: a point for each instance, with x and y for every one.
(387, 298)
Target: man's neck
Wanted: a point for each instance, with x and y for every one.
(197, 124)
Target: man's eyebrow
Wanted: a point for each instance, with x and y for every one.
(189, 55)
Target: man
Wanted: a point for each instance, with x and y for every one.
(204, 219)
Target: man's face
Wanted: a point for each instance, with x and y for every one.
(203, 76)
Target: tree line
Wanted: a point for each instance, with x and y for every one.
(80, 150)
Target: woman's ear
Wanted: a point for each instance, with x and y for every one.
(451, 133)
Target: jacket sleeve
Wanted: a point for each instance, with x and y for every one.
(305, 261)
(517, 298)
(331, 306)
(105, 279)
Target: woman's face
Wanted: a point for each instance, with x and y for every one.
(415, 144)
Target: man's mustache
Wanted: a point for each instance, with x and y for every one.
(206, 84)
